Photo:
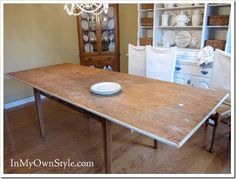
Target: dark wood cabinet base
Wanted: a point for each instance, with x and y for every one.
(102, 61)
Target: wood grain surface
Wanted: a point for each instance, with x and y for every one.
(167, 112)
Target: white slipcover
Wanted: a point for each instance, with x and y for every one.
(221, 72)
(160, 63)
(137, 60)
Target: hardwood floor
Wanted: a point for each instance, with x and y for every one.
(70, 135)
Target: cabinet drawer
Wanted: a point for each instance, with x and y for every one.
(190, 54)
(202, 72)
(182, 78)
(200, 82)
(181, 68)
(98, 61)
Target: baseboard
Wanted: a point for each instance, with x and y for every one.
(20, 102)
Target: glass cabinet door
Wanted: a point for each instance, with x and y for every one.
(107, 27)
(89, 35)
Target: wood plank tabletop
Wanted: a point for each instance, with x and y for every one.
(167, 112)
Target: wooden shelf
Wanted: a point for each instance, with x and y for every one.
(181, 8)
(218, 26)
(179, 27)
(146, 27)
(146, 10)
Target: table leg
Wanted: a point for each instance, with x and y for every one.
(107, 139)
(39, 108)
(155, 144)
(216, 119)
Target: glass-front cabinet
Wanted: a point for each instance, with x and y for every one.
(99, 39)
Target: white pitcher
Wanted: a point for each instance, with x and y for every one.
(165, 19)
(196, 18)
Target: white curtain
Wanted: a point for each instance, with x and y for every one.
(160, 63)
(137, 60)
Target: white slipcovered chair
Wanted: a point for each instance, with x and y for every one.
(221, 76)
(160, 63)
(137, 60)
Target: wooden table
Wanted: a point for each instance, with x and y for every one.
(166, 112)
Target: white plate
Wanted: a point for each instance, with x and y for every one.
(111, 24)
(169, 37)
(111, 37)
(88, 47)
(110, 12)
(84, 15)
(105, 35)
(112, 46)
(92, 24)
(183, 39)
(92, 36)
(85, 25)
(104, 24)
(105, 88)
(85, 37)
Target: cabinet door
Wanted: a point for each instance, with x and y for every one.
(200, 82)
(88, 34)
(181, 78)
(108, 30)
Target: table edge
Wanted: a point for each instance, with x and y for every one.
(201, 122)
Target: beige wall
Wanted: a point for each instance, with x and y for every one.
(36, 35)
(128, 14)
(39, 35)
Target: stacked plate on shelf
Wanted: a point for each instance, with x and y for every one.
(181, 39)
(85, 25)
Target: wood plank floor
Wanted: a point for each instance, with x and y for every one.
(70, 135)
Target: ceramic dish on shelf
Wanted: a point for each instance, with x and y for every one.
(85, 25)
(92, 36)
(105, 35)
(169, 37)
(183, 39)
(194, 42)
(92, 24)
(110, 12)
(88, 47)
(112, 47)
(104, 24)
(105, 88)
(111, 37)
(111, 24)
(84, 15)
(85, 37)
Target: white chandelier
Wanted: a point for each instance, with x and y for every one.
(76, 9)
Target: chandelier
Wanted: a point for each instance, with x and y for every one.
(76, 9)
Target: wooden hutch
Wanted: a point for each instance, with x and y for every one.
(99, 39)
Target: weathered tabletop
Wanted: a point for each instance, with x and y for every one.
(167, 112)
